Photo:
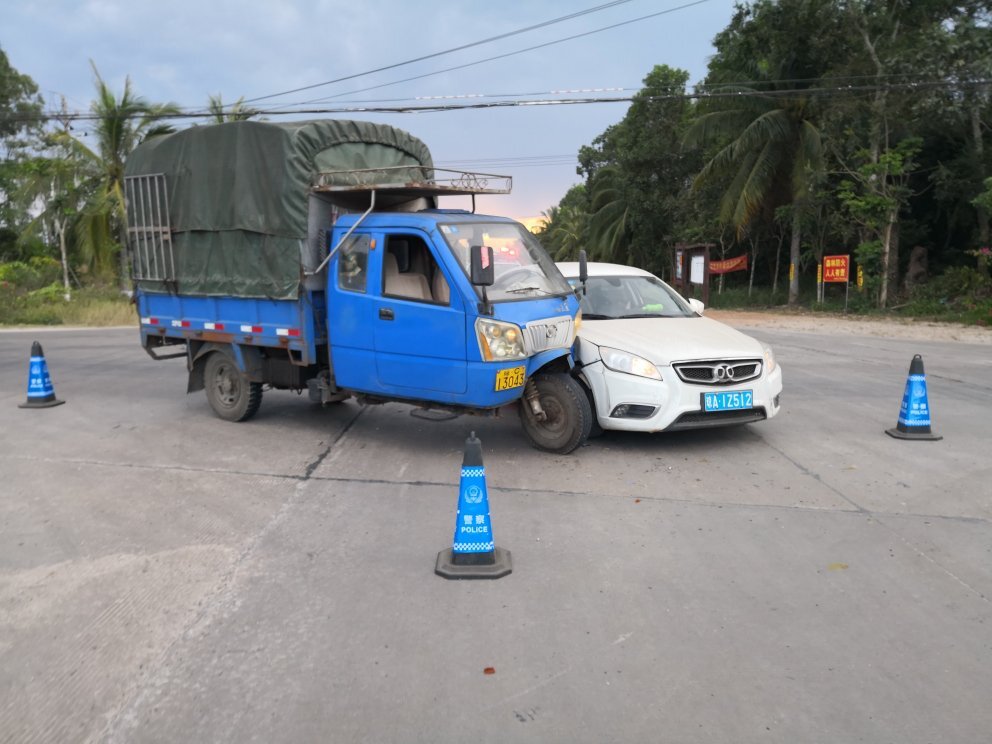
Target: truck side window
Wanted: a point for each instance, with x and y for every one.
(353, 261)
(410, 271)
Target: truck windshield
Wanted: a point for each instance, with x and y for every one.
(523, 269)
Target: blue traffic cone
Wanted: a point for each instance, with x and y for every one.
(41, 394)
(473, 554)
(914, 414)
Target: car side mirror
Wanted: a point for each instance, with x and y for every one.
(482, 272)
(696, 305)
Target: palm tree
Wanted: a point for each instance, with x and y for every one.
(610, 220)
(565, 231)
(235, 112)
(121, 125)
(768, 150)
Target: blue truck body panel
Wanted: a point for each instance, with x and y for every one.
(288, 324)
(427, 350)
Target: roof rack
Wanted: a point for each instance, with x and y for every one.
(412, 181)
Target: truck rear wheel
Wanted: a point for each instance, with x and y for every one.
(232, 397)
(568, 415)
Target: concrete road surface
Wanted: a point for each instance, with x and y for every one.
(166, 576)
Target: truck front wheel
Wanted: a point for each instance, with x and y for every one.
(568, 416)
(232, 397)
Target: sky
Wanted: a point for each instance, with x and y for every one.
(183, 51)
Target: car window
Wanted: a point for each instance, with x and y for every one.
(631, 297)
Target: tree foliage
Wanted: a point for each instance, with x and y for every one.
(864, 124)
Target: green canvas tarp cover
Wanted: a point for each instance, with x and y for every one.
(238, 196)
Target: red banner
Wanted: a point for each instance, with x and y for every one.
(730, 264)
(836, 269)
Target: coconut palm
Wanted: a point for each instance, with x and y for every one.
(565, 231)
(121, 123)
(768, 149)
(235, 112)
(609, 223)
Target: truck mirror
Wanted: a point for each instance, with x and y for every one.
(583, 267)
(483, 273)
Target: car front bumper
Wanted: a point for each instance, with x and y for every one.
(670, 403)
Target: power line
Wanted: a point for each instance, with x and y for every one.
(468, 96)
(511, 54)
(507, 35)
(821, 91)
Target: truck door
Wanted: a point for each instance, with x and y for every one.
(419, 323)
(351, 305)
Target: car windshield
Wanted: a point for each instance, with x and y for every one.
(523, 269)
(612, 297)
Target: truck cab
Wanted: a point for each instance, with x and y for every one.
(406, 322)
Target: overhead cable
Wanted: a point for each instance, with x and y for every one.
(393, 66)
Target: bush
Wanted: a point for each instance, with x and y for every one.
(960, 293)
(92, 306)
(737, 297)
(35, 273)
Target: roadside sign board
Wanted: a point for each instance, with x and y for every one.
(697, 269)
(836, 268)
(728, 265)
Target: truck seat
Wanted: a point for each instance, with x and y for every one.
(442, 293)
(413, 286)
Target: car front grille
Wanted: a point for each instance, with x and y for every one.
(719, 371)
(553, 333)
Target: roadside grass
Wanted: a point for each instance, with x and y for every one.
(960, 295)
(90, 306)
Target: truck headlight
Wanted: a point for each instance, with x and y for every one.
(622, 361)
(499, 341)
(769, 359)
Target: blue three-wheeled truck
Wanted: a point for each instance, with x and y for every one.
(312, 256)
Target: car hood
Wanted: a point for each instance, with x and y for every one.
(666, 340)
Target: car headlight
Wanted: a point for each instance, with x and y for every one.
(622, 361)
(578, 322)
(499, 341)
(769, 359)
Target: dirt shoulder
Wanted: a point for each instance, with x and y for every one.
(828, 323)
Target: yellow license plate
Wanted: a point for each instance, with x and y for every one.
(509, 378)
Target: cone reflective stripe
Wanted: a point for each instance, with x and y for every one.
(473, 553)
(914, 413)
(41, 393)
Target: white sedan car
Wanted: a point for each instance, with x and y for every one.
(653, 363)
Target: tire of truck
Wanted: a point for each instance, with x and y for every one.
(569, 416)
(232, 397)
